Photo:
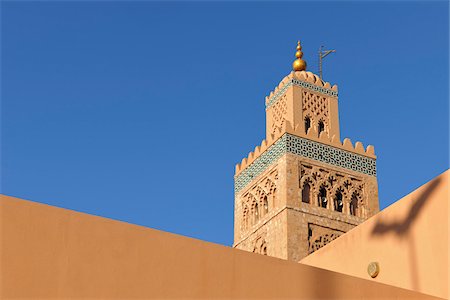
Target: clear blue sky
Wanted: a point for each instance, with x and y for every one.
(139, 111)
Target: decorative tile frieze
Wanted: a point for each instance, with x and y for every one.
(260, 164)
(303, 84)
(305, 148)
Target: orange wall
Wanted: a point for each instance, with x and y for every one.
(48, 252)
(409, 239)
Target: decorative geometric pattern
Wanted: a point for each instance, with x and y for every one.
(314, 104)
(319, 236)
(258, 200)
(305, 148)
(260, 164)
(349, 186)
(279, 110)
(321, 241)
(330, 155)
(302, 84)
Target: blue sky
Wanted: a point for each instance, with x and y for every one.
(139, 111)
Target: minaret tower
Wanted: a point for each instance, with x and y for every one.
(302, 187)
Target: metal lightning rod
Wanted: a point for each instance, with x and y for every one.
(322, 55)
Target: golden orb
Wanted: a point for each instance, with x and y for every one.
(299, 64)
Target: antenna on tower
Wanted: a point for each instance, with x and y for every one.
(322, 55)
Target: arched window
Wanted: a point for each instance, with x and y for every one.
(321, 126)
(307, 124)
(338, 203)
(323, 197)
(354, 205)
(306, 192)
(266, 205)
(255, 213)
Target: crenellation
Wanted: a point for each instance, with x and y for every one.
(311, 135)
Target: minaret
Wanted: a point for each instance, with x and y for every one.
(302, 187)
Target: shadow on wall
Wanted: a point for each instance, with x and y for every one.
(401, 228)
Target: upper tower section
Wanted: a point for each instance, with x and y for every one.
(302, 187)
(305, 101)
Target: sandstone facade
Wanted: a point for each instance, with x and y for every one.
(302, 188)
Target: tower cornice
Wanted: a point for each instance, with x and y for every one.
(304, 79)
(292, 140)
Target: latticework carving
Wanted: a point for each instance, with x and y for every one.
(278, 112)
(259, 200)
(320, 236)
(321, 241)
(315, 105)
(340, 190)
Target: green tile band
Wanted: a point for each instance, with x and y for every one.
(305, 148)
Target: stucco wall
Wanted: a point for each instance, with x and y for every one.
(409, 240)
(48, 252)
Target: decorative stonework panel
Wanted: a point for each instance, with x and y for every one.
(303, 84)
(330, 155)
(320, 236)
(309, 149)
(332, 190)
(278, 112)
(315, 105)
(258, 201)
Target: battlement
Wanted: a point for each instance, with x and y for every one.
(304, 79)
(347, 145)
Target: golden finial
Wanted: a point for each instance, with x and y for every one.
(299, 64)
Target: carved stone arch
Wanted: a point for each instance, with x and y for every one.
(357, 192)
(322, 125)
(307, 192)
(307, 178)
(263, 199)
(339, 186)
(270, 188)
(356, 202)
(254, 209)
(308, 121)
(334, 194)
(322, 184)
